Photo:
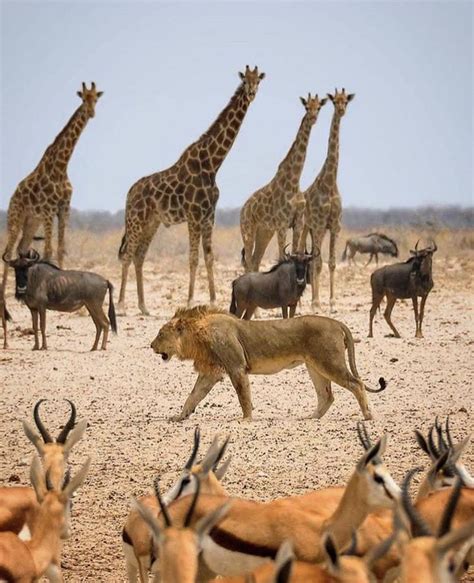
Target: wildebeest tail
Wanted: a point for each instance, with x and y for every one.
(123, 246)
(112, 316)
(349, 342)
(233, 304)
(344, 253)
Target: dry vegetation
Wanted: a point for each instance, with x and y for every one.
(128, 393)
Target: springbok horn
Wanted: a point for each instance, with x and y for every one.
(448, 433)
(192, 457)
(434, 450)
(445, 524)
(41, 428)
(164, 510)
(69, 425)
(363, 436)
(442, 444)
(418, 525)
(189, 515)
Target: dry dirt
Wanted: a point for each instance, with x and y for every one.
(127, 394)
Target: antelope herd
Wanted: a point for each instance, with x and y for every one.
(365, 531)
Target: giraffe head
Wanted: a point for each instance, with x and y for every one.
(89, 97)
(340, 100)
(312, 106)
(250, 80)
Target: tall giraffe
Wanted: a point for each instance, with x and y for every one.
(277, 205)
(323, 202)
(185, 192)
(46, 192)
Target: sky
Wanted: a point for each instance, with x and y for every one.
(168, 68)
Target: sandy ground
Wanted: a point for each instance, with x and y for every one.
(127, 394)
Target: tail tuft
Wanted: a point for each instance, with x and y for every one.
(382, 383)
(123, 246)
(7, 315)
(111, 313)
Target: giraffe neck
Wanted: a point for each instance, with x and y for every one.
(293, 163)
(216, 142)
(58, 154)
(329, 169)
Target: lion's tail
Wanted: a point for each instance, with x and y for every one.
(233, 304)
(349, 342)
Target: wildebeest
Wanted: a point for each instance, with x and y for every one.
(5, 315)
(42, 286)
(280, 287)
(411, 279)
(373, 243)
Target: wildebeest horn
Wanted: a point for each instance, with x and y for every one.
(5, 259)
(190, 512)
(285, 254)
(164, 510)
(418, 525)
(433, 246)
(192, 457)
(416, 246)
(39, 424)
(69, 425)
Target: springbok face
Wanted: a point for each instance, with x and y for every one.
(340, 100)
(90, 97)
(251, 79)
(313, 106)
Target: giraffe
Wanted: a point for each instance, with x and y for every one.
(185, 192)
(279, 204)
(323, 203)
(46, 192)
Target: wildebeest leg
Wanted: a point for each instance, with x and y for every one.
(262, 240)
(94, 313)
(239, 310)
(284, 311)
(209, 258)
(240, 380)
(42, 315)
(34, 319)
(138, 260)
(422, 313)
(323, 391)
(370, 259)
(101, 323)
(388, 311)
(292, 310)
(249, 312)
(376, 259)
(335, 369)
(414, 300)
(203, 385)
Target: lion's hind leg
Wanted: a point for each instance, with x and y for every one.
(241, 383)
(323, 391)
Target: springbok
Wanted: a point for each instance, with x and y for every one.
(27, 561)
(178, 546)
(426, 557)
(19, 505)
(253, 531)
(137, 541)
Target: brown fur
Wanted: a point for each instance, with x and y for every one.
(219, 343)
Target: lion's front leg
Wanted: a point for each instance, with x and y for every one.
(240, 380)
(203, 385)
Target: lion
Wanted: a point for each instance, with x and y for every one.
(219, 343)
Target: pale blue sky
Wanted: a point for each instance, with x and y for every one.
(167, 69)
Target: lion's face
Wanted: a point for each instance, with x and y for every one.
(168, 341)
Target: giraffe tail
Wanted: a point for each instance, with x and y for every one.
(242, 257)
(112, 315)
(233, 303)
(123, 246)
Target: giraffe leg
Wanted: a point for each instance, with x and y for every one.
(63, 219)
(30, 226)
(194, 237)
(332, 268)
(48, 237)
(263, 238)
(14, 226)
(281, 236)
(248, 238)
(121, 303)
(209, 259)
(298, 233)
(317, 265)
(138, 260)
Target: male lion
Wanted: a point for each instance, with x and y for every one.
(220, 343)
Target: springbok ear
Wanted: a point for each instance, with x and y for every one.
(34, 437)
(459, 449)
(38, 479)
(455, 537)
(422, 442)
(222, 469)
(284, 563)
(374, 452)
(209, 521)
(77, 480)
(149, 518)
(76, 434)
